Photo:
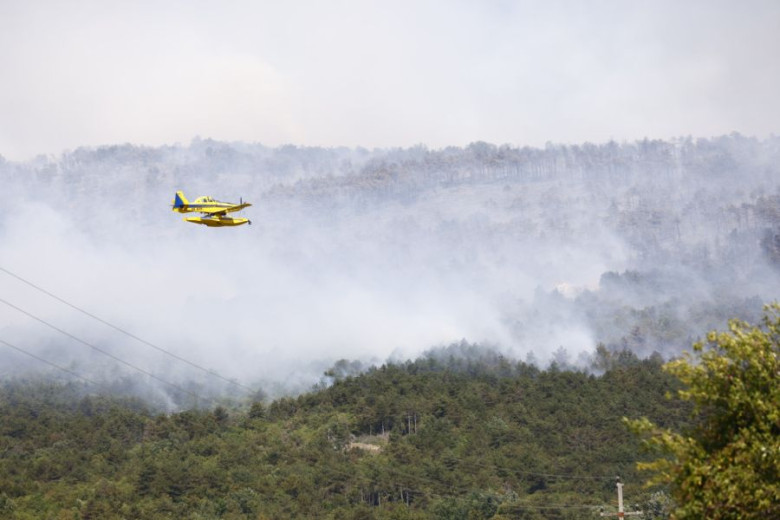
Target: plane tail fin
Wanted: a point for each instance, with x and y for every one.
(179, 201)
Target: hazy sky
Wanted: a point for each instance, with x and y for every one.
(384, 73)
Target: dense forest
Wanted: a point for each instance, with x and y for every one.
(299, 367)
(458, 433)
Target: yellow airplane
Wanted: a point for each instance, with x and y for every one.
(214, 212)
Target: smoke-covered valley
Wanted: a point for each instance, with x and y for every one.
(370, 255)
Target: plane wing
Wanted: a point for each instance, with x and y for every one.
(224, 211)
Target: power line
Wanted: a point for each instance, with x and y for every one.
(126, 333)
(27, 353)
(108, 354)
(461, 462)
(516, 504)
(529, 473)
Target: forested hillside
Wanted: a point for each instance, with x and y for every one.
(459, 433)
(157, 369)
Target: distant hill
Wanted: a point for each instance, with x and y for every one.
(544, 253)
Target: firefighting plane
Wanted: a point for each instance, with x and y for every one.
(213, 212)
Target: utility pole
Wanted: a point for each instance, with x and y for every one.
(621, 513)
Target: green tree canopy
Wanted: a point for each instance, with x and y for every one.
(728, 465)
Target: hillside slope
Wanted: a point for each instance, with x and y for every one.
(459, 433)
